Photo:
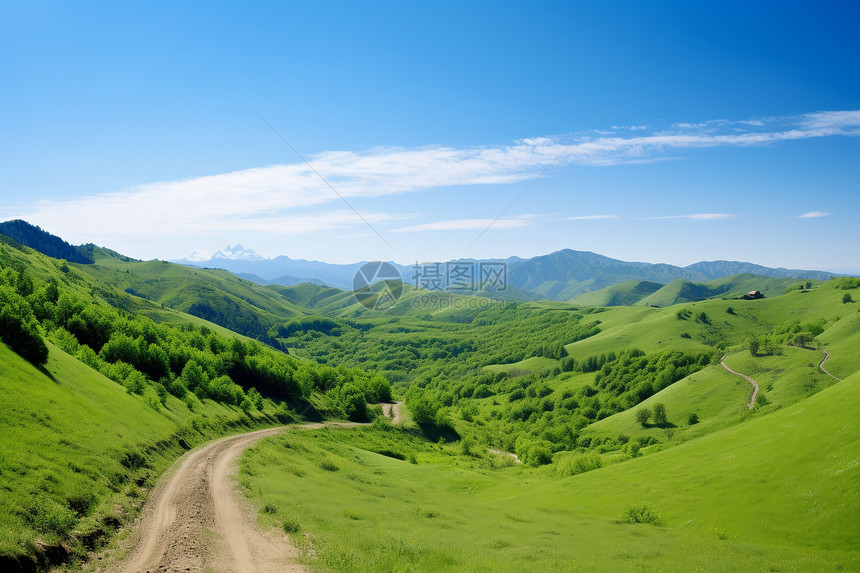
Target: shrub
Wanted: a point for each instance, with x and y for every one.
(48, 516)
(539, 454)
(291, 526)
(693, 419)
(569, 464)
(846, 298)
(329, 465)
(641, 514)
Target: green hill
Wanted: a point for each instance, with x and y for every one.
(681, 290)
(776, 493)
(621, 294)
(97, 412)
(78, 452)
(136, 370)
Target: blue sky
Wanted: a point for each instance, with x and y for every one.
(664, 131)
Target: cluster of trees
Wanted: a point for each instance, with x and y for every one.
(413, 350)
(528, 417)
(794, 333)
(19, 328)
(643, 415)
(633, 376)
(159, 359)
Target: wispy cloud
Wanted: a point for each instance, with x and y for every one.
(694, 216)
(590, 217)
(465, 225)
(269, 198)
(814, 215)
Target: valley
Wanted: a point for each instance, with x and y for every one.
(713, 433)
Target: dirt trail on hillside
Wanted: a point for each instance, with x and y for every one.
(745, 377)
(821, 366)
(196, 521)
(515, 457)
(393, 411)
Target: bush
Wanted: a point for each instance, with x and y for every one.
(291, 526)
(641, 514)
(329, 466)
(570, 464)
(693, 419)
(846, 298)
(48, 516)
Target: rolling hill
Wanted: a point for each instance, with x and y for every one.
(715, 486)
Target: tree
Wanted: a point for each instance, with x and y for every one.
(754, 345)
(802, 339)
(660, 414)
(693, 419)
(642, 416)
(846, 298)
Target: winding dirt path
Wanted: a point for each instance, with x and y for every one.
(745, 377)
(393, 411)
(196, 521)
(821, 366)
(515, 457)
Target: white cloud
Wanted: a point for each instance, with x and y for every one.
(266, 199)
(465, 225)
(694, 216)
(814, 215)
(590, 217)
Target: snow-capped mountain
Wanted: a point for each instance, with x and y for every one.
(235, 253)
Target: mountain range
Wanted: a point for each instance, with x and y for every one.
(561, 276)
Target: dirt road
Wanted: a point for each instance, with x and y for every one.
(393, 411)
(745, 377)
(821, 366)
(195, 520)
(512, 455)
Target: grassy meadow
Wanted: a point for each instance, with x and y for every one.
(774, 493)
(79, 453)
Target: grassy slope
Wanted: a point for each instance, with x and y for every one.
(842, 340)
(654, 329)
(527, 365)
(779, 493)
(680, 291)
(66, 430)
(247, 307)
(86, 285)
(626, 293)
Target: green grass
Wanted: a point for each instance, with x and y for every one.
(524, 366)
(776, 493)
(783, 378)
(718, 398)
(78, 452)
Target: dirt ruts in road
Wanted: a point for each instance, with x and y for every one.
(195, 520)
(393, 411)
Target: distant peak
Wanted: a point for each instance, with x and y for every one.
(238, 253)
